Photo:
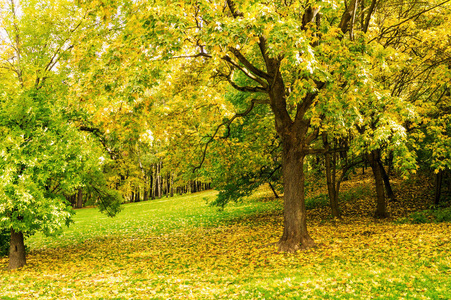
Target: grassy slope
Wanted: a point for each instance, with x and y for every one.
(181, 248)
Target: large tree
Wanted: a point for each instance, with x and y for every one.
(313, 63)
(43, 156)
(295, 57)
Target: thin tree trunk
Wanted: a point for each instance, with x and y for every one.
(154, 180)
(168, 185)
(438, 187)
(273, 190)
(138, 195)
(364, 165)
(387, 184)
(381, 207)
(80, 198)
(330, 178)
(159, 180)
(172, 185)
(16, 250)
(390, 163)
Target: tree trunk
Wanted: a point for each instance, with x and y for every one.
(158, 180)
(153, 183)
(273, 190)
(333, 195)
(381, 207)
(80, 198)
(331, 178)
(387, 184)
(172, 185)
(390, 163)
(295, 235)
(16, 250)
(438, 187)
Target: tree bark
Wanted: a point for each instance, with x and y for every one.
(273, 190)
(386, 178)
(381, 207)
(80, 198)
(295, 235)
(172, 185)
(153, 182)
(159, 184)
(293, 135)
(331, 179)
(16, 250)
(438, 187)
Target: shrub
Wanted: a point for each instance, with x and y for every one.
(317, 201)
(437, 215)
(443, 215)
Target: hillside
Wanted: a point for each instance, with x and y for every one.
(180, 248)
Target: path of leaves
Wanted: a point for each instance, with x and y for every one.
(357, 258)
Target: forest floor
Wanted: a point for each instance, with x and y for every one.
(181, 248)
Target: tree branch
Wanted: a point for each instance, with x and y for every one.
(235, 12)
(368, 16)
(395, 27)
(348, 16)
(247, 89)
(101, 138)
(256, 71)
(230, 61)
(227, 124)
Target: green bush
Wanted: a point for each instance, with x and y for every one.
(5, 235)
(421, 217)
(443, 215)
(322, 200)
(437, 215)
(317, 201)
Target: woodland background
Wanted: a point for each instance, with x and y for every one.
(317, 105)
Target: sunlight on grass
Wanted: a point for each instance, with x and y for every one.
(181, 248)
(150, 217)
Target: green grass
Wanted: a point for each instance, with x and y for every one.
(181, 248)
(154, 217)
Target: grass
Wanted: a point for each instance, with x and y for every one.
(181, 248)
(156, 217)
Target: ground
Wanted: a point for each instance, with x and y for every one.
(181, 248)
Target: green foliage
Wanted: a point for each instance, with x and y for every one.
(317, 201)
(43, 156)
(438, 215)
(355, 193)
(5, 235)
(322, 199)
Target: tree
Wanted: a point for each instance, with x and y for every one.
(419, 72)
(317, 65)
(284, 52)
(43, 156)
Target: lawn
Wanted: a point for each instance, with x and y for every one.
(181, 248)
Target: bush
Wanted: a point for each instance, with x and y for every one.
(437, 215)
(5, 235)
(317, 201)
(443, 215)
